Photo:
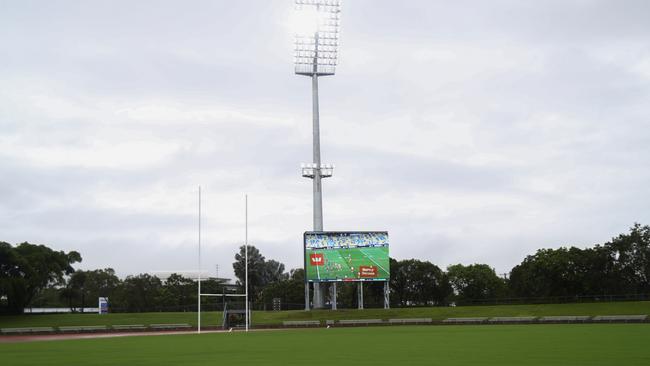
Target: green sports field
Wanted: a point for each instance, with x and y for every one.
(344, 264)
(583, 344)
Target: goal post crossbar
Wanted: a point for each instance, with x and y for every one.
(223, 295)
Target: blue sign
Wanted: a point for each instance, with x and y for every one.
(103, 305)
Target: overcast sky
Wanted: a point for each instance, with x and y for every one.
(472, 131)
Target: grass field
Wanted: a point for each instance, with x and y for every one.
(344, 264)
(585, 344)
(276, 317)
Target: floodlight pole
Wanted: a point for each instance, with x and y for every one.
(318, 188)
(316, 170)
(318, 191)
(247, 319)
(199, 274)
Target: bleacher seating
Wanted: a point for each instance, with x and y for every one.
(476, 320)
(33, 330)
(410, 321)
(82, 328)
(512, 319)
(129, 327)
(360, 321)
(301, 323)
(564, 319)
(620, 318)
(169, 326)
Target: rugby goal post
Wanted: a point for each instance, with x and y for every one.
(224, 295)
(245, 294)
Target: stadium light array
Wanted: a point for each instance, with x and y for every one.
(317, 36)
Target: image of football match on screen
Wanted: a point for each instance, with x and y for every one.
(346, 256)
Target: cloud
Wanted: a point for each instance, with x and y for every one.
(471, 132)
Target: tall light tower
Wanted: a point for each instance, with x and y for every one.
(316, 49)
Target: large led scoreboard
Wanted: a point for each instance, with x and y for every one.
(332, 256)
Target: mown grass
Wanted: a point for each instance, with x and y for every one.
(276, 317)
(575, 344)
(440, 313)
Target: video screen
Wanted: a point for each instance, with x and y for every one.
(346, 256)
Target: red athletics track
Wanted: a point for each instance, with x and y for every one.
(59, 337)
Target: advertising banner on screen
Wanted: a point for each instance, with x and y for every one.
(346, 256)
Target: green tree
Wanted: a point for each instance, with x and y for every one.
(83, 288)
(139, 294)
(475, 282)
(274, 271)
(260, 272)
(631, 259)
(290, 289)
(620, 266)
(544, 274)
(562, 272)
(101, 283)
(77, 283)
(398, 283)
(419, 283)
(49, 297)
(29, 268)
(13, 285)
(180, 292)
(599, 275)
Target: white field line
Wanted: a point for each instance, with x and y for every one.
(373, 261)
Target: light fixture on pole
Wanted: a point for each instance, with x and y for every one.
(317, 36)
(309, 170)
(316, 54)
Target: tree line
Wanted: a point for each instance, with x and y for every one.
(37, 276)
(617, 268)
(34, 275)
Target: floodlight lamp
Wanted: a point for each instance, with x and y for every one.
(305, 20)
(307, 170)
(316, 24)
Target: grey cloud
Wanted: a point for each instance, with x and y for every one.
(528, 128)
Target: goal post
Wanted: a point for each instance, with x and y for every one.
(223, 295)
(245, 294)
